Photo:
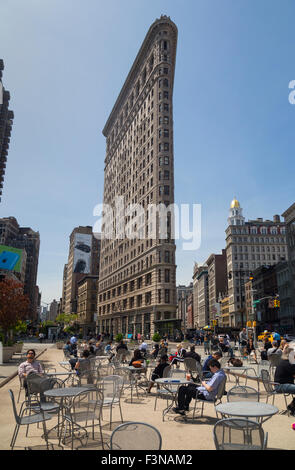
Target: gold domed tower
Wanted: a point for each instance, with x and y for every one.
(235, 213)
(235, 204)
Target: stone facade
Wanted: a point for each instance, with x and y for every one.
(137, 286)
(201, 296)
(217, 281)
(250, 245)
(87, 302)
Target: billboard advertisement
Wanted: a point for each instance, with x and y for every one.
(11, 258)
(82, 253)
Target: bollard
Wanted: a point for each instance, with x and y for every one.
(1, 353)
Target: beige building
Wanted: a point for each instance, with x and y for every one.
(87, 302)
(217, 282)
(137, 286)
(224, 312)
(200, 296)
(250, 245)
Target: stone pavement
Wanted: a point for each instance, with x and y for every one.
(176, 434)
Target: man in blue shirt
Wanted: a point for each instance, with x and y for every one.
(206, 370)
(207, 391)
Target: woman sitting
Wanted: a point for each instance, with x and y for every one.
(250, 349)
(158, 372)
(179, 356)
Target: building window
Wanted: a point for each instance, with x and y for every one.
(167, 296)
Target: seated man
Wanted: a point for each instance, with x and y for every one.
(29, 366)
(158, 371)
(275, 349)
(192, 353)
(206, 369)
(207, 391)
(284, 376)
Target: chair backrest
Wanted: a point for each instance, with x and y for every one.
(111, 386)
(274, 359)
(86, 405)
(190, 364)
(242, 393)
(38, 384)
(266, 381)
(16, 416)
(238, 434)
(135, 436)
(262, 365)
(220, 390)
(166, 371)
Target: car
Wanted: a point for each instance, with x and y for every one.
(266, 334)
(289, 338)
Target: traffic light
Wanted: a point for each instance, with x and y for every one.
(251, 277)
(276, 303)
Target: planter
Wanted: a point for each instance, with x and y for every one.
(59, 345)
(7, 353)
(18, 347)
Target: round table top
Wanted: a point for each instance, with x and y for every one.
(173, 380)
(65, 392)
(101, 357)
(247, 409)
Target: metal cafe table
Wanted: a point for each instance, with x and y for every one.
(171, 384)
(64, 393)
(247, 409)
(67, 375)
(241, 369)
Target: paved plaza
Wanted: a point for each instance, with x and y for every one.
(176, 434)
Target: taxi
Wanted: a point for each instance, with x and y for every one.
(266, 334)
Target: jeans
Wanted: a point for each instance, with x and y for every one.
(285, 388)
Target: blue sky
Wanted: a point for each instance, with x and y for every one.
(65, 64)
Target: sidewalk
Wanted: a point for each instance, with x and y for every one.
(176, 434)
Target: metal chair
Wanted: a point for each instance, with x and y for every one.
(274, 360)
(190, 365)
(269, 386)
(239, 434)
(217, 399)
(271, 389)
(22, 420)
(82, 412)
(135, 436)
(242, 393)
(122, 355)
(111, 387)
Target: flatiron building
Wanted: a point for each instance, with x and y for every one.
(137, 284)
